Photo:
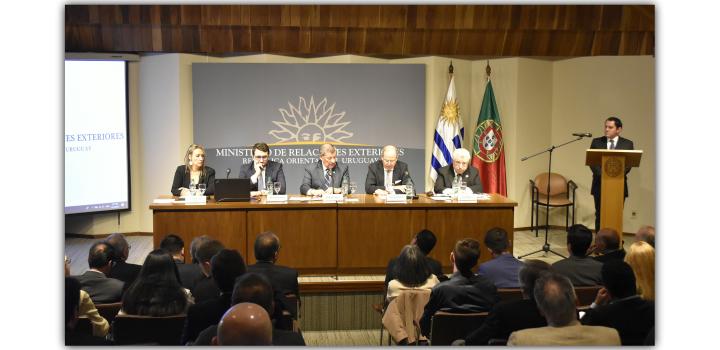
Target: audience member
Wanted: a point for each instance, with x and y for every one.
(255, 288)
(86, 308)
(641, 257)
(174, 245)
(426, 240)
(619, 306)
(226, 266)
(464, 291)
(120, 268)
(205, 288)
(646, 233)
(191, 273)
(244, 324)
(579, 268)
(607, 246)
(102, 289)
(283, 279)
(72, 303)
(509, 316)
(157, 290)
(556, 301)
(411, 272)
(503, 268)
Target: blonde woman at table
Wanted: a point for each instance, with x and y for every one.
(193, 172)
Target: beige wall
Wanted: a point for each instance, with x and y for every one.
(540, 102)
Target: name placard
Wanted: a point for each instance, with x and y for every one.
(276, 198)
(467, 197)
(396, 198)
(196, 200)
(334, 197)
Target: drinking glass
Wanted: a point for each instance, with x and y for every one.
(269, 187)
(353, 188)
(276, 187)
(463, 186)
(192, 189)
(201, 188)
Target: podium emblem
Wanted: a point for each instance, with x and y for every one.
(613, 167)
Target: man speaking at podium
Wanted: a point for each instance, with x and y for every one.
(611, 140)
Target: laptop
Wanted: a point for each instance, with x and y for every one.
(232, 190)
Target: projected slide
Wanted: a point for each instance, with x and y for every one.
(96, 144)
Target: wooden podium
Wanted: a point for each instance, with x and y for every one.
(612, 191)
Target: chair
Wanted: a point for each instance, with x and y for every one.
(445, 326)
(510, 294)
(562, 194)
(109, 311)
(403, 313)
(133, 329)
(586, 295)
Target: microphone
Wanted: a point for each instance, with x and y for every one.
(227, 173)
(582, 134)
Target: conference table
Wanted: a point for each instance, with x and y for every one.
(356, 236)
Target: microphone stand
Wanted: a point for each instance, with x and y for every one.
(546, 247)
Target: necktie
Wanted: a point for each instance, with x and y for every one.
(612, 144)
(328, 179)
(261, 181)
(388, 178)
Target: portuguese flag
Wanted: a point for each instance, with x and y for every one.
(488, 150)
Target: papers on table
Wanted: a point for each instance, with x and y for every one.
(163, 200)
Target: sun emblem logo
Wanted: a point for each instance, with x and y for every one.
(488, 141)
(310, 123)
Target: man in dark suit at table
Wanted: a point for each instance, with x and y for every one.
(262, 170)
(121, 269)
(283, 279)
(460, 168)
(388, 171)
(102, 289)
(325, 176)
(611, 140)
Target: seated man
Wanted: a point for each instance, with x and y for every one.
(263, 170)
(503, 268)
(579, 268)
(425, 240)
(121, 269)
(102, 289)
(619, 306)
(191, 273)
(512, 315)
(387, 172)
(607, 246)
(255, 288)
(464, 291)
(206, 288)
(556, 300)
(174, 245)
(283, 279)
(325, 176)
(460, 169)
(646, 233)
(244, 324)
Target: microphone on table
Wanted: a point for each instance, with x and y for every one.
(227, 173)
(582, 134)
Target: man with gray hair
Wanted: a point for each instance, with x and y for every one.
(460, 169)
(325, 176)
(388, 171)
(120, 268)
(556, 299)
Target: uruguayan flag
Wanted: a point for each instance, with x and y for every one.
(448, 133)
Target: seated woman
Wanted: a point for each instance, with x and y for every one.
(641, 257)
(194, 171)
(411, 272)
(157, 290)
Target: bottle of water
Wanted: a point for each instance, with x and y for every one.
(192, 187)
(456, 185)
(345, 185)
(409, 189)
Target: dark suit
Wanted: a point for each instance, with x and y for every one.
(205, 289)
(314, 177)
(583, 271)
(632, 318)
(102, 289)
(125, 272)
(182, 179)
(459, 294)
(435, 268)
(190, 274)
(204, 315)
(502, 270)
(507, 317)
(279, 337)
(273, 171)
(375, 178)
(618, 254)
(446, 175)
(283, 279)
(602, 143)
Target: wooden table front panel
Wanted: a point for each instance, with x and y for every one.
(308, 238)
(368, 238)
(453, 224)
(227, 226)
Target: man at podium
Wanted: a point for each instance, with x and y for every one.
(611, 140)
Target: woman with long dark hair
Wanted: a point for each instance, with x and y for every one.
(411, 272)
(157, 290)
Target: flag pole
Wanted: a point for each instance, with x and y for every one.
(488, 70)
